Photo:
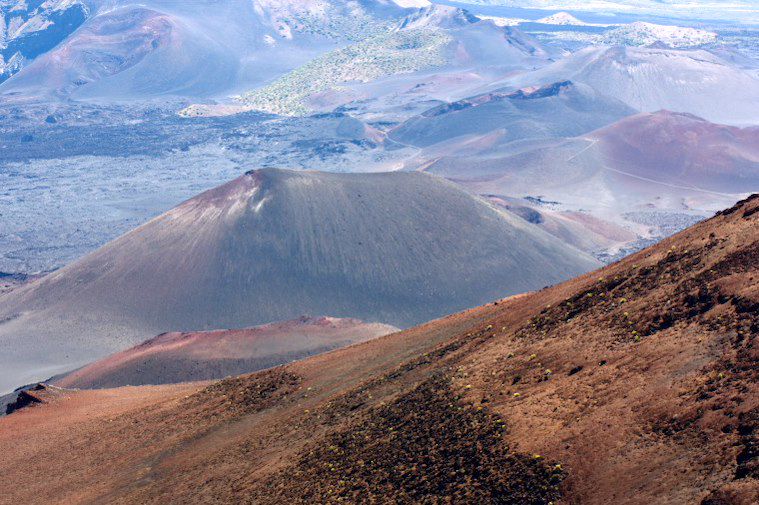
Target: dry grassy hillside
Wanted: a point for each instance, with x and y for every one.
(634, 384)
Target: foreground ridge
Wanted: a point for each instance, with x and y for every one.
(636, 383)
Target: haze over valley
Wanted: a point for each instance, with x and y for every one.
(391, 251)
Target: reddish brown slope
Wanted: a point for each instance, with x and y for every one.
(681, 149)
(639, 380)
(171, 358)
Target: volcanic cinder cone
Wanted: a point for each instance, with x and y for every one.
(272, 245)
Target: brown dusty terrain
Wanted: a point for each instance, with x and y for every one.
(634, 384)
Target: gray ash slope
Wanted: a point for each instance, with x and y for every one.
(559, 109)
(398, 248)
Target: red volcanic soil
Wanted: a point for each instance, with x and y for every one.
(635, 384)
(683, 149)
(183, 357)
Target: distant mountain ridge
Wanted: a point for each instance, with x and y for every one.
(432, 40)
(642, 33)
(652, 79)
(739, 10)
(124, 50)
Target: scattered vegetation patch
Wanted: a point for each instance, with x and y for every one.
(385, 54)
(681, 274)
